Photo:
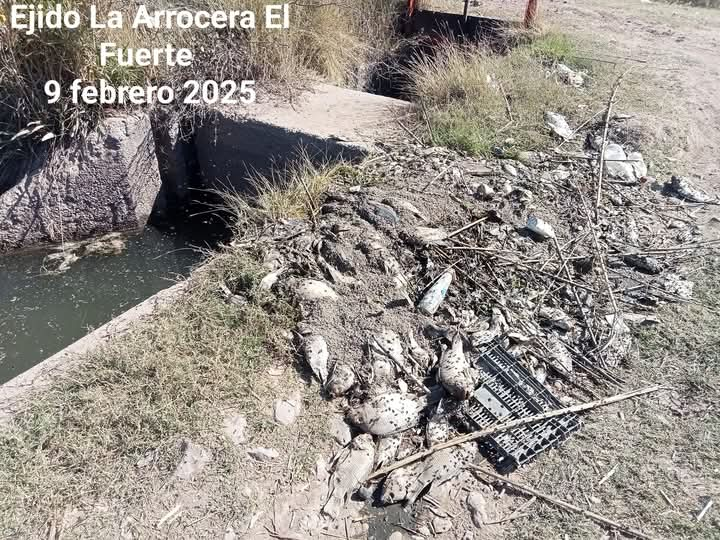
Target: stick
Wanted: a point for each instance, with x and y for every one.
(565, 505)
(704, 510)
(513, 424)
(407, 130)
(466, 227)
(611, 102)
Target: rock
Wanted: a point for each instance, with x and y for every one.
(234, 428)
(286, 411)
(510, 169)
(678, 285)
(442, 525)
(558, 125)
(569, 76)
(107, 182)
(484, 191)
(477, 505)
(616, 164)
(230, 533)
(264, 454)
(339, 430)
(312, 290)
(396, 536)
(193, 461)
(379, 214)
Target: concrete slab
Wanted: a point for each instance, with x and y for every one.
(107, 183)
(327, 121)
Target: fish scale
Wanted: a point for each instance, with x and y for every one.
(509, 392)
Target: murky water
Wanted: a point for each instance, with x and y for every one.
(40, 314)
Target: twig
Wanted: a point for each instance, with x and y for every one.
(609, 475)
(407, 130)
(704, 510)
(514, 424)
(431, 182)
(611, 103)
(507, 104)
(466, 227)
(581, 307)
(564, 505)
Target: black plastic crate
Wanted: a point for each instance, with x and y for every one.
(507, 391)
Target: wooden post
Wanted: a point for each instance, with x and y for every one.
(531, 13)
(465, 10)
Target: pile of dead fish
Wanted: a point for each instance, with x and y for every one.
(474, 251)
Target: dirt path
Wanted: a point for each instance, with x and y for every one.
(679, 47)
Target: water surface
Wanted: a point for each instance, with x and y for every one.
(42, 313)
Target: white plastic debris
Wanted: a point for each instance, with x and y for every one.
(317, 355)
(432, 300)
(540, 227)
(617, 164)
(271, 279)
(558, 125)
(312, 290)
(569, 75)
(286, 411)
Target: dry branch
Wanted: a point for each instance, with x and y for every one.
(514, 424)
(627, 531)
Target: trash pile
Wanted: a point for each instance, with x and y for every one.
(446, 295)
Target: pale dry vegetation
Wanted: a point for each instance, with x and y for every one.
(175, 377)
(329, 40)
(473, 99)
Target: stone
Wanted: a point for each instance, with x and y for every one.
(234, 428)
(484, 191)
(397, 535)
(264, 454)
(107, 183)
(558, 125)
(510, 169)
(193, 461)
(638, 164)
(286, 411)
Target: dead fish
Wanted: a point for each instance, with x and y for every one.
(386, 414)
(352, 467)
(317, 355)
(557, 318)
(386, 451)
(341, 380)
(440, 467)
(388, 343)
(498, 325)
(312, 290)
(420, 355)
(454, 372)
(398, 483)
(437, 430)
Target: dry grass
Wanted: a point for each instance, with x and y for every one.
(668, 444)
(174, 377)
(330, 40)
(296, 191)
(475, 99)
